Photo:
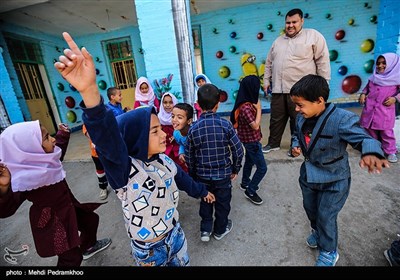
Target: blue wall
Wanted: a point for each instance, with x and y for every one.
(248, 21)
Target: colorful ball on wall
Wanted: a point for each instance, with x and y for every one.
(219, 54)
(70, 102)
(224, 72)
(260, 35)
(234, 94)
(223, 96)
(342, 70)
(60, 86)
(351, 84)
(233, 35)
(306, 15)
(369, 66)
(72, 87)
(340, 35)
(97, 71)
(373, 19)
(71, 116)
(351, 21)
(102, 84)
(333, 55)
(270, 26)
(232, 49)
(367, 45)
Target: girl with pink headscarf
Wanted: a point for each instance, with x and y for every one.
(144, 94)
(379, 98)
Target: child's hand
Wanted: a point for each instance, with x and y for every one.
(210, 198)
(63, 127)
(361, 99)
(373, 163)
(5, 179)
(182, 158)
(77, 67)
(233, 176)
(389, 101)
(296, 151)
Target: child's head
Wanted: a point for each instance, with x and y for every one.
(48, 142)
(143, 90)
(200, 81)
(208, 97)
(114, 95)
(380, 64)
(310, 94)
(142, 133)
(182, 116)
(168, 101)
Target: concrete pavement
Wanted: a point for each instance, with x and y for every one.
(272, 234)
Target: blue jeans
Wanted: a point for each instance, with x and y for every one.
(222, 190)
(170, 251)
(322, 203)
(253, 156)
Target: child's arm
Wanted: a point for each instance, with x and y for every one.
(62, 138)
(9, 201)
(77, 67)
(236, 150)
(191, 187)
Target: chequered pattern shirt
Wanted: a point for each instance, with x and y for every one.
(213, 149)
(247, 115)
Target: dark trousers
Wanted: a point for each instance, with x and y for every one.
(222, 190)
(282, 109)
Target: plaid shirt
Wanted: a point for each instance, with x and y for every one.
(247, 115)
(213, 149)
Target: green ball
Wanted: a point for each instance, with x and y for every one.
(369, 66)
(102, 84)
(333, 55)
(71, 116)
(224, 72)
(367, 45)
(60, 86)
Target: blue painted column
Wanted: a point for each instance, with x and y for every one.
(388, 30)
(8, 95)
(158, 36)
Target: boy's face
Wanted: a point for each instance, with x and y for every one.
(157, 137)
(200, 82)
(144, 88)
(381, 65)
(307, 108)
(117, 97)
(179, 119)
(48, 142)
(168, 104)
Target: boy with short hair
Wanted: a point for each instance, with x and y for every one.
(322, 134)
(131, 148)
(214, 156)
(115, 98)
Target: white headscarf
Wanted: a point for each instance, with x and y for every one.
(163, 116)
(149, 96)
(30, 166)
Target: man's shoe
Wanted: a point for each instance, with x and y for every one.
(103, 194)
(242, 187)
(267, 148)
(99, 246)
(227, 230)
(312, 240)
(205, 236)
(253, 197)
(326, 258)
(388, 255)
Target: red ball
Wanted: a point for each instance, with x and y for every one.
(260, 36)
(223, 96)
(219, 54)
(70, 102)
(351, 84)
(340, 35)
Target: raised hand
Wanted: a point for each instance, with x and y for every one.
(77, 67)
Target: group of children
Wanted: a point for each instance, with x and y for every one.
(146, 169)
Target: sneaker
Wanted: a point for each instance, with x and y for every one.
(205, 236)
(389, 256)
(242, 187)
(312, 240)
(267, 148)
(98, 247)
(326, 258)
(227, 230)
(103, 194)
(392, 158)
(253, 197)
(289, 153)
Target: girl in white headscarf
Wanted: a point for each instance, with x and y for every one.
(144, 94)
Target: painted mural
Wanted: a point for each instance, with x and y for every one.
(235, 43)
